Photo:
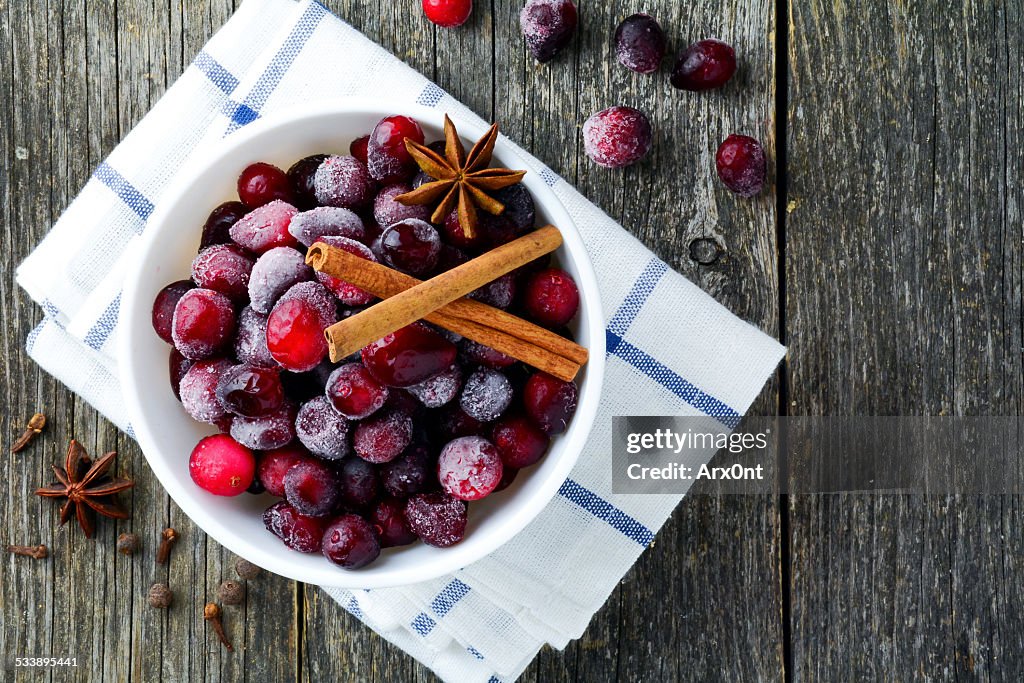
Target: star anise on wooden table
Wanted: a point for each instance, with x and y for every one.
(87, 488)
(460, 180)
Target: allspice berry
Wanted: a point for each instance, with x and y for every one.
(160, 596)
(127, 544)
(231, 593)
(247, 570)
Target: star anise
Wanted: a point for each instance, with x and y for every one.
(84, 483)
(460, 179)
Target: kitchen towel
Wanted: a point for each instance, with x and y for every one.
(672, 350)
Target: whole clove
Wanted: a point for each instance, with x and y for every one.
(167, 540)
(36, 552)
(212, 614)
(32, 429)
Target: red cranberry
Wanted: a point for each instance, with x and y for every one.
(486, 395)
(164, 305)
(266, 432)
(550, 402)
(262, 183)
(387, 211)
(388, 520)
(358, 483)
(409, 356)
(299, 532)
(351, 542)
(264, 228)
(178, 366)
(640, 43)
(274, 273)
(617, 137)
(217, 228)
(250, 391)
(548, 26)
(275, 463)
(322, 430)
(383, 437)
(347, 293)
(354, 392)
(520, 209)
(485, 355)
(198, 389)
(469, 468)
(456, 236)
(251, 339)
(448, 13)
(358, 148)
(310, 226)
(409, 473)
(741, 165)
(311, 488)
(295, 328)
(344, 182)
(387, 158)
(411, 246)
(705, 65)
(519, 442)
(437, 518)
(301, 175)
(221, 465)
(551, 297)
(439, 389)
(453, 422)
(224, 268)
(203, 324)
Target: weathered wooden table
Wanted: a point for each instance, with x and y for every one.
(888, 256)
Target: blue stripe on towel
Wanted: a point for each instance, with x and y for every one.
(423, 624)
(637, 297)
(603, 510)
(135, 200)
(217, 74)
(446, 599)
(104, 325)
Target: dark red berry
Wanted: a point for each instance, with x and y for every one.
(741, 165)
(354, 392)
(264, 228)
(499, 293)
(217, 228)
(448, 13)
(455, 235)
(486, 395)
(262, 183)
(299, 532)
(519, 442)
(178, 366)
(350, 542)
(411, 245)
(485, 355)
(295, 328)
(520, 209)
(508, 475)
(548, 26)
(251, 339)
(322, 430)
(224, 268)
(387, 158)
(439, 389)
(310, 226)
(551, 297)
(204, 323)
(387, 211)
(383, 437)
(550, 402)
(469, 468)
(453, 422)
(274, 464)
(437, 518)
(358, 148)
(301, 175)
(250, 391)
(347, 293)
(412, 472)
(705, 65)
(409, 356)
(344, 182)
(617, 137)
(198, 390)
(388, 520)
(640, 43)
(273, 274)
(221, 465)
(358, 482)
(266, 432)
(310, 486)
(163, 307)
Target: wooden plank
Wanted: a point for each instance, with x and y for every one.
(903, 285)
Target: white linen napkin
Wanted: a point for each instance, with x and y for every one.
(671, 348)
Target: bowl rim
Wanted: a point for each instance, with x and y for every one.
(455, 557)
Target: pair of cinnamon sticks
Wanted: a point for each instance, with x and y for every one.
(440, 301)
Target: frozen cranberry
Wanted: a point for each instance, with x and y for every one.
(448, 13)
(262, 183)
(350, 542)
(387, 211)
(203, 324)
(456, 236)
(164, 305)
(520, 209)
(411, 246)
(486, 395)
(548, 26)
(408, 356)
(178, 365)
(299, 532)
(386, 156)
(453, 422)
(388, 520)
(640, 43)
(198, 389)
(705, 65)
(311, 488)
(347, 293)
(264, 228)
(301, 175)
(358, 148)
(224, 268)
(383, 437)
(741, 165)
(519, 442)
(500, 293)
(550, 402)
(354, 392)
(617, 137)
(551, 297)
(274, 273)
(412, 472)
(275, 463)
(267, 432)
(440, 389)
(485, 355)
(343, 181)
(437, 518)
(469, 468)
(250, 391)
(251, 339)
(322, 430)
(310, 226)
(358, 482)
(295, 328)
(217, 228)
(221, 465)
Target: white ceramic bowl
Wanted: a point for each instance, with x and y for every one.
(167, 434)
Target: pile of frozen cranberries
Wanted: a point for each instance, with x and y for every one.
(389, 445)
